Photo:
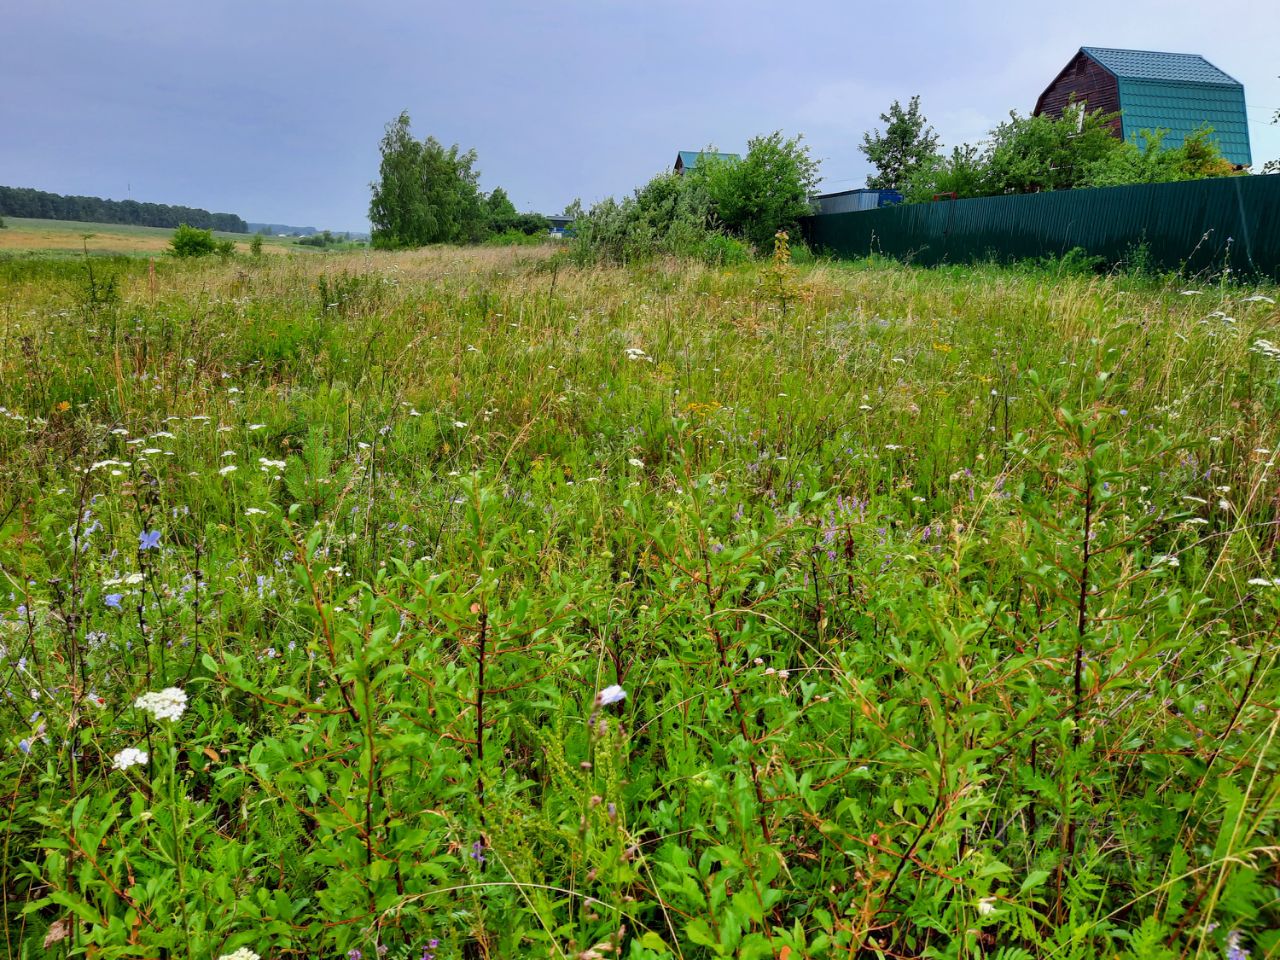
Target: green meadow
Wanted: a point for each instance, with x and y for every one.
(468, 603)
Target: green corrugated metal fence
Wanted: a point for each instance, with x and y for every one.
(1196, 225)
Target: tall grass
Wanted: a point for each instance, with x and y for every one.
(944, 602)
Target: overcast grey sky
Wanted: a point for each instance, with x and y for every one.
(273, 109)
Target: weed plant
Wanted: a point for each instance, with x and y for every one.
(469, 603)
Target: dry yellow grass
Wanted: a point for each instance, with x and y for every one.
(36, 237)
(18, 238)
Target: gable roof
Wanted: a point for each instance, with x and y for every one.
(1152, 65)
(689, 158)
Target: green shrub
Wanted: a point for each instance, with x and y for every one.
(719, 250)
(192, 242)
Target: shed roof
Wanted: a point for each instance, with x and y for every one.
(1153, 65)
(689, 158)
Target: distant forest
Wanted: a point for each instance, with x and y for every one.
(25, 202)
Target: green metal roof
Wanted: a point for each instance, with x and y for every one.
(1150, 65)
(689, 158)
(1178, 92)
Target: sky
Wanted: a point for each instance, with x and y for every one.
(272, 109)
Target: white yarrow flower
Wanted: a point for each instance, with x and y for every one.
(244, 953)
(129, 757)
(169, 704)
(986, 906)
(636, 462)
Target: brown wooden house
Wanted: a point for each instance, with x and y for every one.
(1083, 80)
(1179, 93)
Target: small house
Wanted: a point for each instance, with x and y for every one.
(688, 159)
(1177, 92)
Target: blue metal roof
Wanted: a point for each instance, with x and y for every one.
(1151, 65)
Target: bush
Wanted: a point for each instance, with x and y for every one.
(767, 191)
(719, 250)
(515, 238)
(711, 212)
(255, 245)
(191, 242)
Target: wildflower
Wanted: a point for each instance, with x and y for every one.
(229, 468)
(244, 953)
(129, 757)
(611, 694)
(460, 424)
(168, 704)
(257, 426)
(149, 540)
(1234, 950)
(986, 906)
(1264, 582)
(254, 512)
(354, 954)
(477, 851)
(636, 462)
(112, 600)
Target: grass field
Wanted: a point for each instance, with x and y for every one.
(465, 603)
(68, 237)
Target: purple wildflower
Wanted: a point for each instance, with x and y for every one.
(477, 852)
(112, 600)
(149, 540)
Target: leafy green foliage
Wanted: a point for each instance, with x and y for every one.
(766, 191)
(694, 213)
(1146, 160)
(943, 607)
(40, 205)
(425, 193)
(1078, 149)
(190, 241)
(907, 144)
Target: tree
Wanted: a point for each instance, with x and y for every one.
(1145, 159)
(964, 174)
(188, 241)
(500, 212)
(1031, 154)
(425, 193)
(764, 192)
(907, 143)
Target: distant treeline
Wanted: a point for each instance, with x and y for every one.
(37, 204)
